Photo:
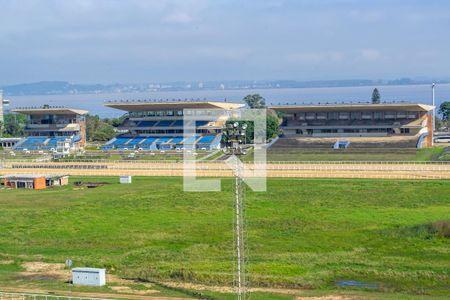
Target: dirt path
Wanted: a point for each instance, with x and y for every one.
(58, 272)
(87, 294)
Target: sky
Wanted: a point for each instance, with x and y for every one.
(137, 41)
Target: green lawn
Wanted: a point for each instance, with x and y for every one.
(425, 154)
(307, 234)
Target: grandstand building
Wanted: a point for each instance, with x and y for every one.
(48, 126)
(159, 126)
(398, 125)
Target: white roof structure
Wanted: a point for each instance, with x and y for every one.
(50, 110)
(136, 106)
(354, 107)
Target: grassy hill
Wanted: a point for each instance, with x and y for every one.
(308, 234)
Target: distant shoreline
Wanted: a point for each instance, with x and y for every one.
(66, 88)
(94, 103)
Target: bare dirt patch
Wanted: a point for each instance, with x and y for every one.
(128, 290)
(45, 271)
(6, 262)
(58, 272)
(226, 289)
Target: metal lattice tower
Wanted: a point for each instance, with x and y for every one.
(239, 230)
(235, 134)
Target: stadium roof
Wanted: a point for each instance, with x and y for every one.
(353, 107)
(143, 106)
(50, 110)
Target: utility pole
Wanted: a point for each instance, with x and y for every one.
(433, 125)
(2, 118)
(235, 134)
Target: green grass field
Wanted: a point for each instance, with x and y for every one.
(425, 154)
(306, 234)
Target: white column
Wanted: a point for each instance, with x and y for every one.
(433, 124)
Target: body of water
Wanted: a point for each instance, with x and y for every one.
(94, 102)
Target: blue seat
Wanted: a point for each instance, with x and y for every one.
(136, 141)
(32, 143)
(177, 140)
(147, 144)
(148, 141)
(191, 139)
(146, 123)
(121, 141)
(209, 142)
(177, 123)
(206, 139)
(53, 142)
(164, 123)
(163, 140)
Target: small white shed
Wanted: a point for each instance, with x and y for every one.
(89, 276)
(125, 179)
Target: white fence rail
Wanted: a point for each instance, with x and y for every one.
(27, 296)
(303, 162)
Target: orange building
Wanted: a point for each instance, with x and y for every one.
(34, 181)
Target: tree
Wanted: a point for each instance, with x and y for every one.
(444, 110)
(14, 125)
(255, 101)
(376, 96)
(98, 130)
(272, 127)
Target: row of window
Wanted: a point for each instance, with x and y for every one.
(47, 134)
(369, 130)
(173, 131)
(177, 113)
(53, 119)
(355, 115)
(156, 113)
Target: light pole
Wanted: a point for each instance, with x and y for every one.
(433, 118)
(235, 137)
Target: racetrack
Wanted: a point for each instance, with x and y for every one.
(383, 170)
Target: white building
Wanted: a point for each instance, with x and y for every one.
(89, 276)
